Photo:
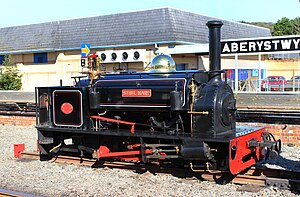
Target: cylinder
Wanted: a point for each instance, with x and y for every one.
(215, 47)
(196, 152)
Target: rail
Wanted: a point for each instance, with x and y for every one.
(288, 115)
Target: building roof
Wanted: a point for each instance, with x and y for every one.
(161, 26)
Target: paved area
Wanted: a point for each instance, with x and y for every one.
(17, 96)
(265, 100)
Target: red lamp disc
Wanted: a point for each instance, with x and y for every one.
(66, 108)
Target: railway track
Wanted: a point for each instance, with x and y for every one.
(265, 114)
(17, 108)
(254, 177)
(269, 114)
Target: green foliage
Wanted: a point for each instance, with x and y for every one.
(284, 26)
(287, 26)
(10, 78)
(297, 25)
(8, 61)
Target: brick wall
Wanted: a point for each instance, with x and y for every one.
(17, 120)
(286, 132)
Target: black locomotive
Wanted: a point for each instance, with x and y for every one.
(184, 118)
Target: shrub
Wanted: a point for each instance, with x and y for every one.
(10, 78)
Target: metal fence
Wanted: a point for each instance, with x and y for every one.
(272, 83)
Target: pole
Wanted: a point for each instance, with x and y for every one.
(236, 73)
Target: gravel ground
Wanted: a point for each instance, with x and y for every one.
(52, 179)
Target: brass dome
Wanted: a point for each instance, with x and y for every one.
(162, 63)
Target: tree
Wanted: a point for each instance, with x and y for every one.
(286, 26)
(11, 78)
(296, 28)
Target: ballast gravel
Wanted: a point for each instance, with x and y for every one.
(51, 179)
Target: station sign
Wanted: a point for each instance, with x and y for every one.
(270, 44)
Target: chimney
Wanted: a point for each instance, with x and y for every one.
(215, 48)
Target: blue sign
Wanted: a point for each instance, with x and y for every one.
(85, 50)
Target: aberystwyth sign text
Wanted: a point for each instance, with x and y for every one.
(261, 45)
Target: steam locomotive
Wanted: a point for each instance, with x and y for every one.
(182, 118)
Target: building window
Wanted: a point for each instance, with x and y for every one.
(2, 58)
(40, 58)
(181, 66)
